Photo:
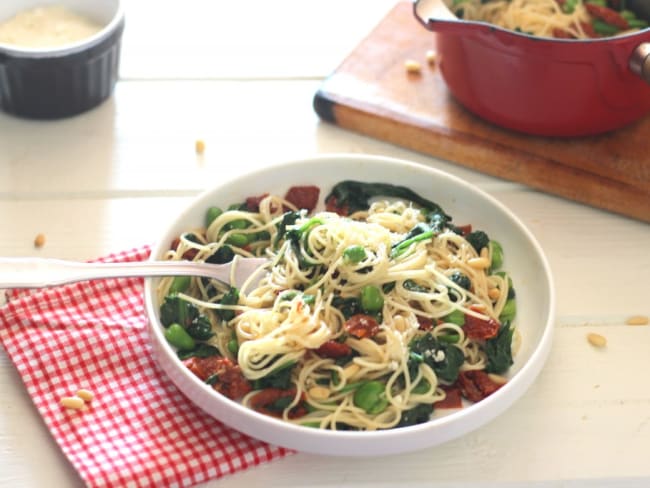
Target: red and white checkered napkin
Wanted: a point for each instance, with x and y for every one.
(139, 430)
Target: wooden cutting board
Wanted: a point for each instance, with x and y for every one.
(372, 93)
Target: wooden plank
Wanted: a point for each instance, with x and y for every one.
(371, 93)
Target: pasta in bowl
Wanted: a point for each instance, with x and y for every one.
(387, 318)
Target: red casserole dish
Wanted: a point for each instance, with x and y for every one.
(541, 86)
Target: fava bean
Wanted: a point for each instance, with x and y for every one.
(237, 240)
(496, 253)
(178, 337)
(372, 301)
(233, 346)
(604, 28)
(354, 254)
(637, 23)
(211, 215)
(509, 311)
(237, 224)
(180, 284)
(371, 397)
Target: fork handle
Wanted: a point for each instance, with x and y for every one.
(43, 272)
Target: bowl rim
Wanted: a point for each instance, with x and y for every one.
(116, 22)
(352, 443)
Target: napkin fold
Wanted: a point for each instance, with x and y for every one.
(139, 429)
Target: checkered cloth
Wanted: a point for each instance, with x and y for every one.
(139, 430)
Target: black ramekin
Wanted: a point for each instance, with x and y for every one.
(60, 82)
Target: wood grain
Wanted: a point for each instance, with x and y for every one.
(372, 93)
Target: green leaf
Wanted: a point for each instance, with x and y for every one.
(356, 195)
(280, 377)
(444, 358)
(416, 415)
(499, 351)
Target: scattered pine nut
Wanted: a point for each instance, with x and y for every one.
(319, 393)
(478, 263)
(596, 340)
(39, 240)
(73, 403)
(413, 66)
(494, 293)
(431, 57)
(638, 320)
(199, 146)
(85, 395)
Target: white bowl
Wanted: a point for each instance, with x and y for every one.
(524, 260)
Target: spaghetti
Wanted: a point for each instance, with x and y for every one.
(576, 19)
(366, 318)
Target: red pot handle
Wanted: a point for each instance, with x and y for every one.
(640, 61)
(426, 10)
(435, 16)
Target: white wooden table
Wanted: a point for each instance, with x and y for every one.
(241, 76)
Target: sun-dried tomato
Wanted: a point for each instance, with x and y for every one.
(561, 34)
(425, 323)
(332, 349)
(190, 254)
(607, 15)
(303, 196)
(452, 400)
(361, 326)
(464, 229)
(228, 378)
(589, 29)
(480, 329)
(332, 205)
(253, 203)
(273, 401)
(476, 385)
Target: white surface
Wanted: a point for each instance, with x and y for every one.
(241, 76)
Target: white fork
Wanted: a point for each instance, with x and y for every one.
(29, 272)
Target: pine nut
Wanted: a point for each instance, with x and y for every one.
(74, 403)
(199, 146)
(485, 253)
(351, 370)
(478, 263)
(637, 320)
(494, 293)
(431, 56)
(596, 340)
(85, 395)
(319, 393)
(39, 240)
(412, 66)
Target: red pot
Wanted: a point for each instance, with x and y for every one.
(553, 87)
